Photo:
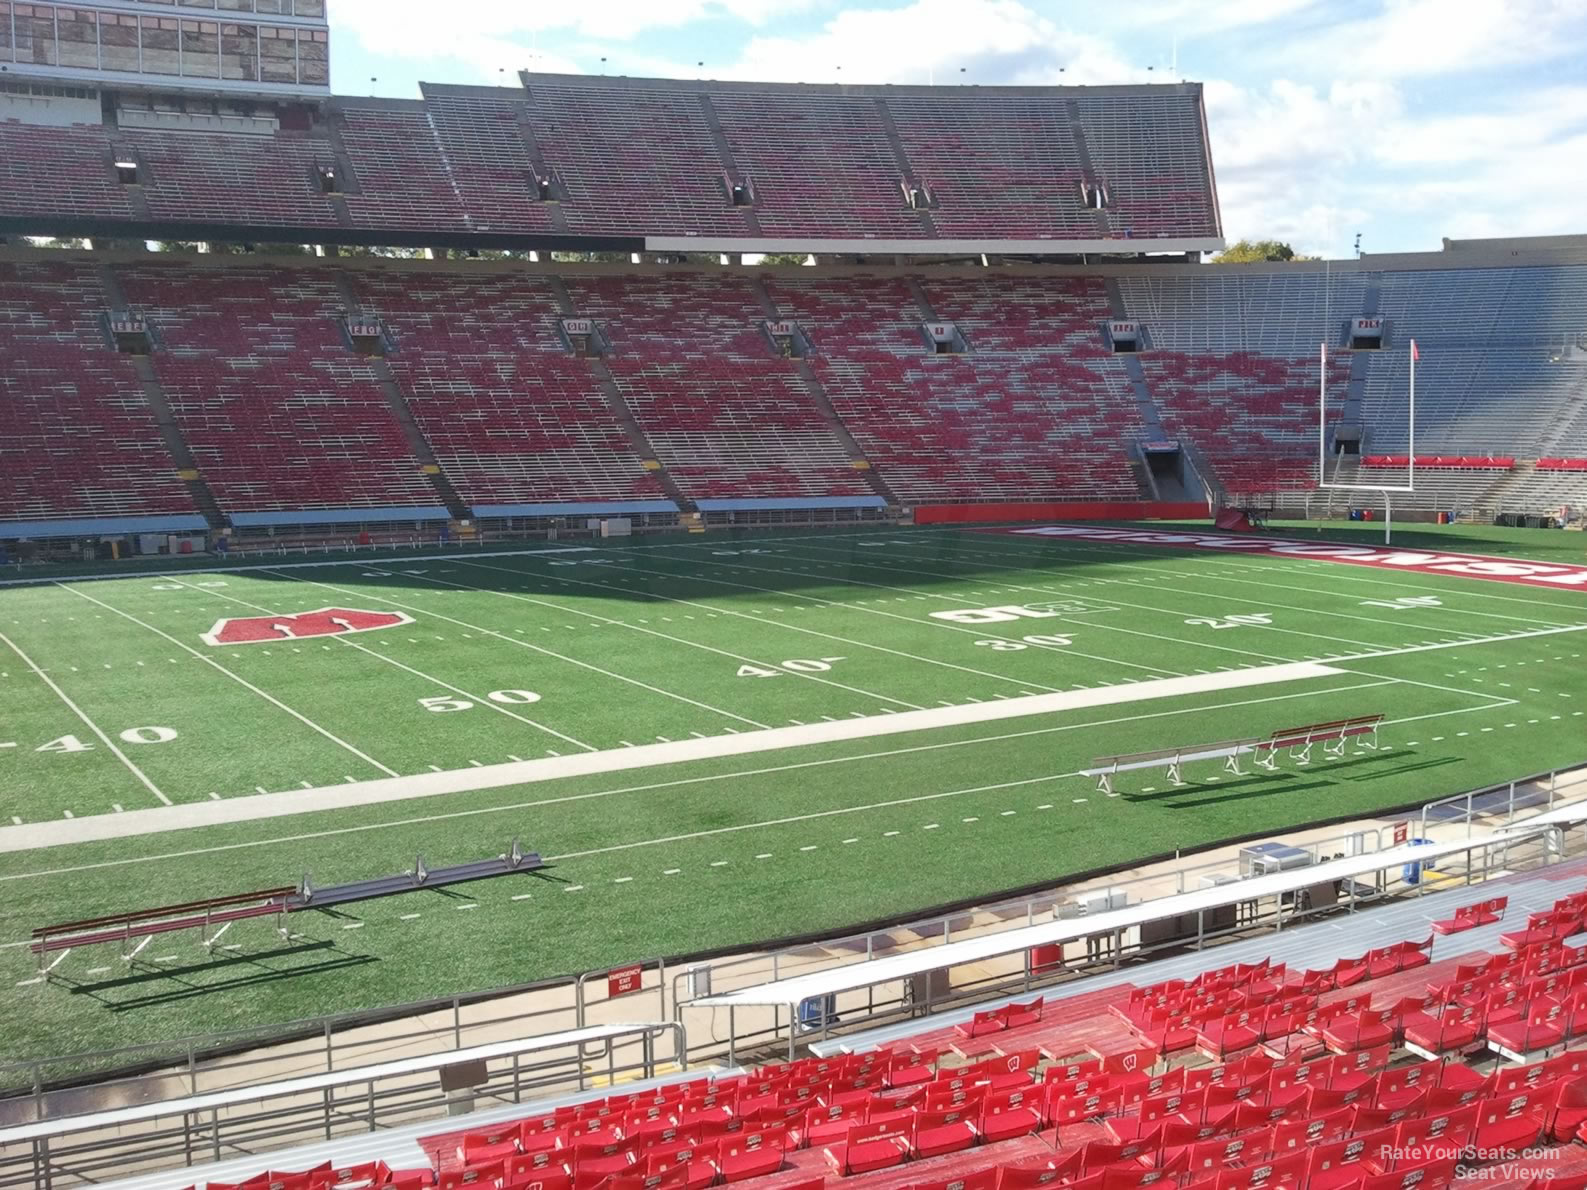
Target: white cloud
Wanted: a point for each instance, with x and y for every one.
(995, 41)
(1418, 38)
(1192, 19)
(413, 28)
(1407, 119)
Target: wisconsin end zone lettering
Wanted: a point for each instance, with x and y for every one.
(1504, 570)
(325, 621)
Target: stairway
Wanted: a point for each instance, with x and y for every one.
(418, 445)
(724, 157)
(1194, 480)
(906, 171)
(818, 397)
(618, 404)
(170, 433)
(397, 401)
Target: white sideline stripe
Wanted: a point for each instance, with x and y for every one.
(241, 681)
(91, 725)
(377, 562)
(363, 793)
(649, 786)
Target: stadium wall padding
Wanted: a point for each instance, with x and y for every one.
(1134, 510)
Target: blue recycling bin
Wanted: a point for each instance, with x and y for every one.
(1411, 873)
(818, 1011)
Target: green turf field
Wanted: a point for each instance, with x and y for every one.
(634, 687)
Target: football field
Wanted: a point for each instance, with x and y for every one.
(714, 741)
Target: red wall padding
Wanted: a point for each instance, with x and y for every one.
(1137, 510)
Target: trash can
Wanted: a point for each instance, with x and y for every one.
(1411, 873)
(1046, 958)
(818, 1011)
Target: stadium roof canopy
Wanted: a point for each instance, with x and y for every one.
(639, 165)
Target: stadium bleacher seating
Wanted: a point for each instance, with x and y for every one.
(830, 150)
(480, 129)
(512, 417)
(1355, 1077)
(654, 157)
(404, 178)
(1006, 165)
(1233, 366)
(1164, 187)
(1033, 422)
(279, 412)
(63, 170)
(1036, 408)
(219, 178)
(727, 417)
(77, 436)
(1254, 415)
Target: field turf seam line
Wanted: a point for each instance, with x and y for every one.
(523, 644)
(352, 644)
(239, 679)
(142, 777)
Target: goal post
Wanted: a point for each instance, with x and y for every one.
(1385, 489)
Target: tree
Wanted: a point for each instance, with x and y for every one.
(785, 258)
(1246, 251)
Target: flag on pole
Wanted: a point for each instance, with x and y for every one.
(1415, 354)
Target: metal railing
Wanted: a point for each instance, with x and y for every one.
(284, 1112)
(53, 1088)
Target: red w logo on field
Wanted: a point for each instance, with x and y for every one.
(325, 621)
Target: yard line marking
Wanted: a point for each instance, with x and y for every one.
(854, 605)
(415, 916)
(241, 681)
(1132, 557)
(739, 657)
(87, 722)
(295, 801)
(488, 704)
(1395, 581)
(1171, 612)
(1328, 660)
(533, 648)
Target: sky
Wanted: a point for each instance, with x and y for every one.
(1403, 121)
